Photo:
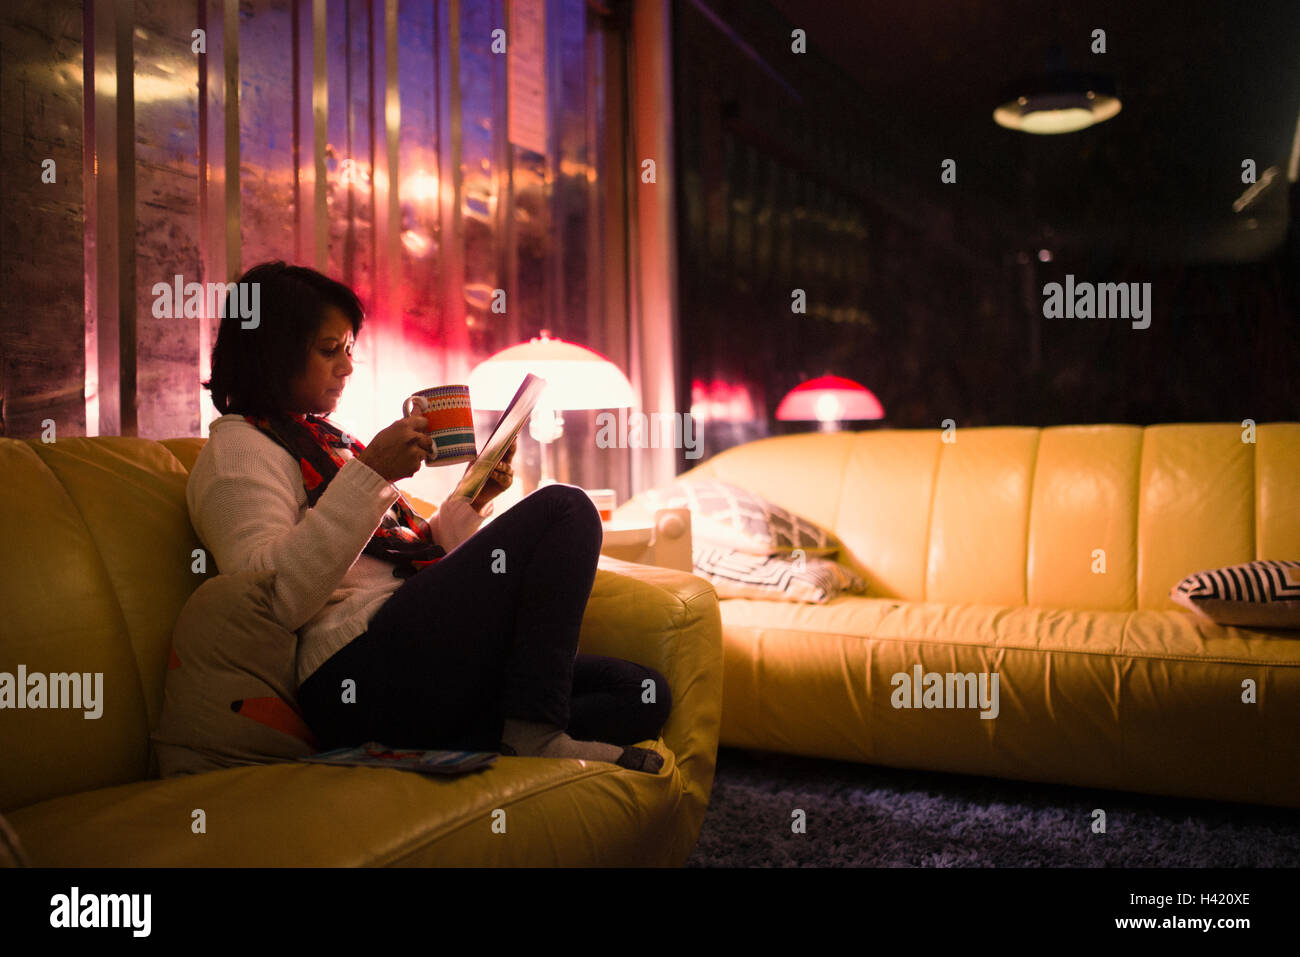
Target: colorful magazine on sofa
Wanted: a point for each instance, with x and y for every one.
(375, 755)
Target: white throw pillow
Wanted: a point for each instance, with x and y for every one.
(730, 517)
(736, 574)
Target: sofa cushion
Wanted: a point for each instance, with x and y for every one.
(230, 697)
(729, 516)
(736, 574)
(75, 601)
(1254, 594)
(557, 811)
(1122, 699)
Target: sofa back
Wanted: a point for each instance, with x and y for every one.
(1105, 517)
(96, 565)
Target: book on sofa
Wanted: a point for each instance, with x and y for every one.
(375, 755)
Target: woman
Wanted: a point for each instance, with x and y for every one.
(430, 634)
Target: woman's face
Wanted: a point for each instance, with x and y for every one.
(329, 363)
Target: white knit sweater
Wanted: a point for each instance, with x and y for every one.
(248, 505)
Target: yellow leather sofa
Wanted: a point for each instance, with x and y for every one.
(96, 566)
(1044, 555)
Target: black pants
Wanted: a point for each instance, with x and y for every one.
(489, 632)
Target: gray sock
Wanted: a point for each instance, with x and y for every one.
(542, 740)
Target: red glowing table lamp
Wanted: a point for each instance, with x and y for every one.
(828, 401)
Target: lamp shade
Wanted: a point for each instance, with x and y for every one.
(1057, 102)
(830, 398)
(576, 377)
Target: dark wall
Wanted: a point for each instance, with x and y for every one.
(928, 294)
(42, 326)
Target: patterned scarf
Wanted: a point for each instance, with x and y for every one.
(403, 537)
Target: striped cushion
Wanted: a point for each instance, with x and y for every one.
(736, 574)
(1258, 594)
(727, 516)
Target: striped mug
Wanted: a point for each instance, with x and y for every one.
(451, 424)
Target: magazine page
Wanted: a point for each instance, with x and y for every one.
(375, 754)
(507, 428)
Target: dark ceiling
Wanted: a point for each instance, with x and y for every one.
(1204, 86)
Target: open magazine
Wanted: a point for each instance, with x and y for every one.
(372, 754)
(503, 433)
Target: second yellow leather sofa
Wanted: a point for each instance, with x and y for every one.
(1046, 556)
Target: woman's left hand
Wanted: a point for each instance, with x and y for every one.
(498, 480)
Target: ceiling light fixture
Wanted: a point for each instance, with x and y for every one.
(1057, 102)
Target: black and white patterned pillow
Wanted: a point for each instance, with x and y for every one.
(727, 516)
(1264, 594)
(735, 574)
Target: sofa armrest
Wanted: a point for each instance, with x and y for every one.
(668, 620)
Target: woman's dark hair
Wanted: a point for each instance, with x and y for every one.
(254, 362)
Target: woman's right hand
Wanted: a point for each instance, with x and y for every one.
(398, 451)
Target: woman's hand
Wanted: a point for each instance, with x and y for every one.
(498, 480)
(398, 451)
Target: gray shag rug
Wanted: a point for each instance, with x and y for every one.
(864, 816)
